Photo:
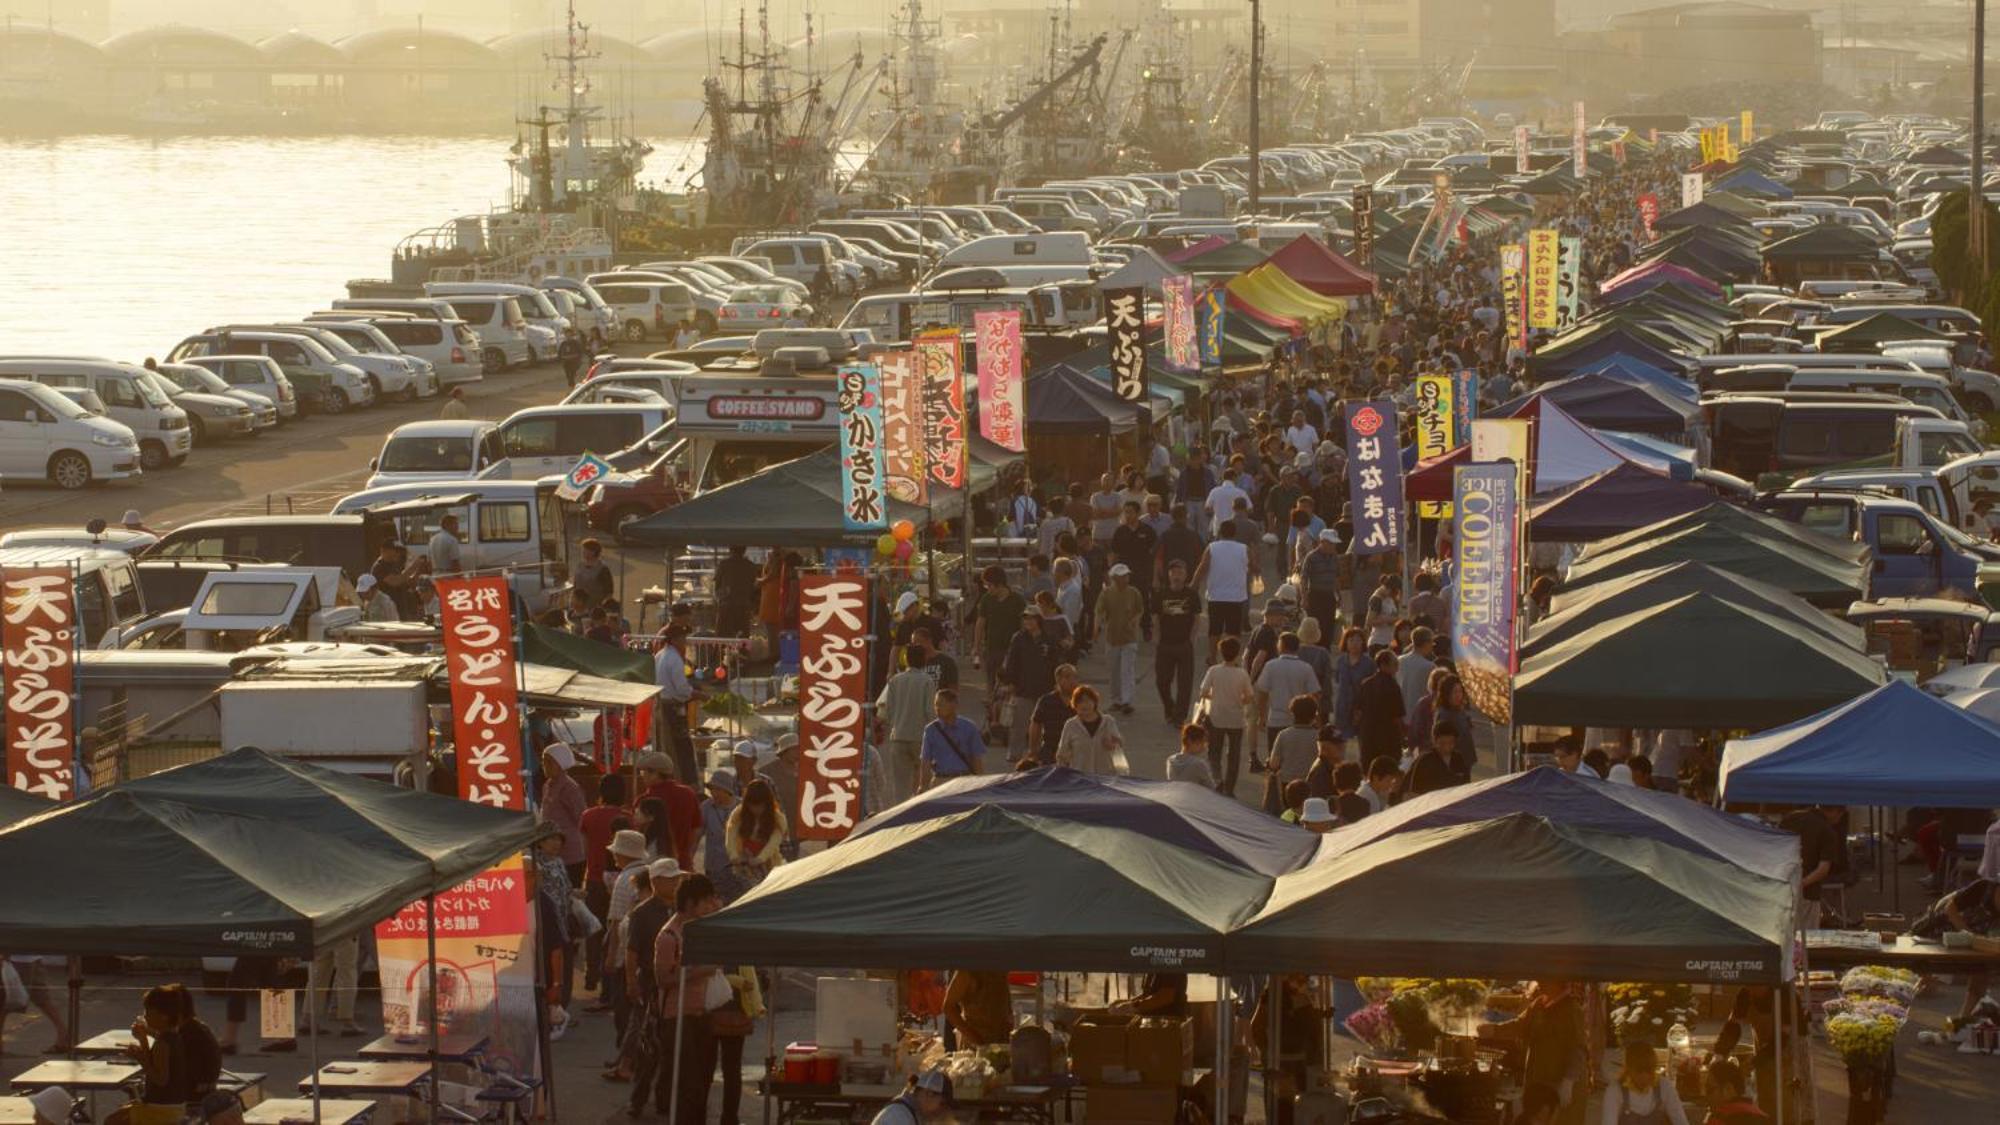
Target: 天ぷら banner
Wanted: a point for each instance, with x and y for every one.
(38, 624)
(1125, 317)
(998, 333)
(833, 715)
(864, 505)
(1374, 477)
(1484, 593)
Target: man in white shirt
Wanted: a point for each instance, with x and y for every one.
(670, 673)
(1225, 570)
(1106, 505)
(1301, 435)
(1413, 668)
(1222, 502)
(447, 554)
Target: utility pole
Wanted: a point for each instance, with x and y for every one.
(1975, 215)
(1256, 91)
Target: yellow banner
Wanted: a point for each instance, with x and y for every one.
(1744, 133)
(1504, 439)
(1513, 265)
(1544, 264)
(1707, 137)
(1434, 431)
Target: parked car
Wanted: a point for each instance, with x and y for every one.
(754, 307)
(195, 377)
(211, 416)
(254, 374)
(129, 395)
(324, 383)
(44, 436)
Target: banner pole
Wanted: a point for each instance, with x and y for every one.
(431, 968)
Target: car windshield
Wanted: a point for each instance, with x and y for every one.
(759, 294)
(427, 454)
(197, 378)
(156, 391)
(55, 402)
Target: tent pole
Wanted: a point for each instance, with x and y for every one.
(75, 1002)
(1781, 996)
(1222, 995)
(431, 962)
(312, 1032)
(770, 1044)
(680, 988)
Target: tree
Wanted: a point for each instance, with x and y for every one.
(1957, 273)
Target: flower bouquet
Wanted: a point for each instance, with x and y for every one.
(1896, 985)
(1863, 1039)
(1642, 1013)
(1373, 1026)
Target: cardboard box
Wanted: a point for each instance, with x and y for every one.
(1130, 1105)
(1097, 1048)
(1160, 1051)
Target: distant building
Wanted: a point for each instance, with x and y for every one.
(1684, 45)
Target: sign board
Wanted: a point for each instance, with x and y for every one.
(1484, 594)
(864, 499)
(833, 703)
(1374, 477)
(1543, 247)
(902, 417)
(943, 398)
(1183, 353)
(1001, 414)
(38, 635)
(1125, 317)
(588, 470)
(1435, 427)
(478, 622)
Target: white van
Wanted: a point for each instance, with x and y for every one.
(591, 309)
(646, 307)
(500, 347)
(129, 395)
(438, 449)
(512, 526)
(542, 441)
(448, 346)
(324, 383)
(535, 305)
(371, 343)
(1053, 248)
(504, 329)
(44, 436)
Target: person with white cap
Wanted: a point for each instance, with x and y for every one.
(132, 522)
(642, 931)
(1316, 815)
(928, 1098)
(1319, 573)
(52, 1105)
(1120, 609)
(724, 786)
(376, 605)
(562, 805)
(628, 851)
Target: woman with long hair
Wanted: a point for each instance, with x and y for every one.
(1640, 1097)
(653, 823)
(1450, 705)
(756, 829)
(1351, 665)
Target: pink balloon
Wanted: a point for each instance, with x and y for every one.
(904, 550)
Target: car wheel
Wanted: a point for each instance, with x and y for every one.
(69, 469)
(197, 429)
(493, 361)
(705, 322)
(635, 331)
(333, 400)
(152, 456)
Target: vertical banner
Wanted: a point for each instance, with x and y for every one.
(1579, 145)
(1649, 213)
(1183, 353)
(902, 421)
(1213, 317)
(1484, 598)
(1125, 316)
(1543, 246)
(1504, 439)
(997, 334)
(1364, 227)
(1690, 188)
(1374, 477)
(38, 623)
(1520, 150)
(943, 396)
(833, 709)
(1513, 292)
(485, 938)
(1569, 282)
(1464, 405)
(864, 505)
(1435, 426)
(1744, 130)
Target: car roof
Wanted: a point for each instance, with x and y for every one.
(442, 427)
(267, 521)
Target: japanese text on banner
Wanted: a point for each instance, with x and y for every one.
(1543, 247)
(998, 339)
(943, 389)
(1520, 150)
(1649, 213)
(902, 426)
(1183, 353)
(833, 713)
(1514, 292)
(1580, 145)
(1484, 594)
(1374, 477)
(485, 966)
(1436, 427)
(1125, 316)
(1364, 227)
(1214, 322)
(1569, 282)
(478, 622)
(864, 504)
(38, 623)
(1464, 404)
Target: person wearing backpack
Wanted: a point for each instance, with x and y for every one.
(1639, 1097)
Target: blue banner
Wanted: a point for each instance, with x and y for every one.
(1375, 477)
(1211, 318)
(864, 461)
(1464, 406)
(1485, 594)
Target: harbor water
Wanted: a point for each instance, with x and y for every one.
(120, 246)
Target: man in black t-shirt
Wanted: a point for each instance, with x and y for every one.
(1137, 546)
(1818, 843)
(1160, 994)
(396, 577)
(1173, 662)
(1179, 542)
(1051, 712)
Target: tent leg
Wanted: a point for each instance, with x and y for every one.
(431, 960)
(1222, 1007)
(312, 1033)
(75, 1002)
(674, 1102)
(1781, 996)
(770, 1044)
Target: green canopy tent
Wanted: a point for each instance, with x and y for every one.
(18, 805)
(1742, 520)
(1580, 610)
(1821, 580)
(1698, 659)
(990, 889)
(1866, 336)
(558, 649)
(1605, 906)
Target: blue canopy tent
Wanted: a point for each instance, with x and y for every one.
(1895, 746)
(1604, 403)
(1189, 816)
(1634, 371)
(1755, 184)
(1578, 801)
(1612, 344)
(1617, 500)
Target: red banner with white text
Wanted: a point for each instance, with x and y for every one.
(478, 622)
(38, 635)
(833, 714)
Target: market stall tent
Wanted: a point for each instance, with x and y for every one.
(1613, 502)
(1314, 265)
(1188, 816)
(988, 888)
(133, 873)
(1706, 662)
(1580, 800)
(1577, 609)
(1602, 402)
(1521, 897)
(1897, 746)
(1745, 521)
(559, 649)
(17, 804)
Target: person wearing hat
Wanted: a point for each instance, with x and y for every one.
(376, 605)
(642, 931)
(132, 522)
(928, 1098)
(52, 1105)
(396, 575)
(1119, 611)
(1319, 573)
(670, 672)
(724, 787)
(562, 805)
(628, 853)
(657, 776)
(781, 770)
(1316, 815)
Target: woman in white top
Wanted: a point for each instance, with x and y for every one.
(1090, 741)
(1228, 694)
(1385, 606)
(1640, 1096)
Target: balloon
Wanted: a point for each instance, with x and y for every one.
(904, 550)
(903, 530)
(886, 545)
(721, 672)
